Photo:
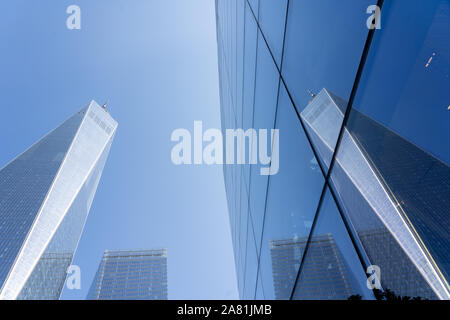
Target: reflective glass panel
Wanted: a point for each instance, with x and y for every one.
(251, 265)
(401, 122)
(272, 18)
(323, 48)
(331, 269)
(267, 81)
(292, 201)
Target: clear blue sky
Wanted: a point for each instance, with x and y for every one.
(156, 63)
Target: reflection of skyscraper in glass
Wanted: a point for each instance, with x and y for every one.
(45, 197)
(394, 194)
(328, 277)
(131, 275)
(398, 273)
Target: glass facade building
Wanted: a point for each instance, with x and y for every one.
(45, 197)
(328, 276)
(364, 176)
(131, 275)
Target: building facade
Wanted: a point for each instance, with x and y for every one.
(362, 113)
(45, 197)
(131, 275)
(328, 275)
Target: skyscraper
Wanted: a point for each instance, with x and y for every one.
(379, 177)
(363, 152)
(45, 197)
(47, 280)
(131, 275)
(329, 277)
